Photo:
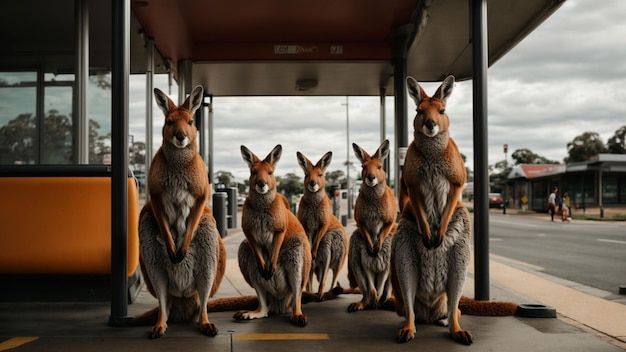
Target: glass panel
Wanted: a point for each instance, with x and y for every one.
(609, 190)
(59, 78)
(57, 141)
(18, 121)
(18, 79)
(99, 111)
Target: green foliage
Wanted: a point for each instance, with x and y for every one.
(526, 156)
(584, 146)
(617, 143)
(225, 178)
(289, 185)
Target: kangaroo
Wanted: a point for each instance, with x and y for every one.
(182, 256)
(275, 257)
(328, 238)
(375, 213)
(431, 247)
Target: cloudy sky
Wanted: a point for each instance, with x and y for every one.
(568, 77)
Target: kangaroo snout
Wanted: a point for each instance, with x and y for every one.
(180, 139)
(262, 187)
(430, 128)
(371, 180)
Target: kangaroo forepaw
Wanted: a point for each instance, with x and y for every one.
(299, 320)
(209, 329)
(157, 331)
(405, 335)
(463, 336)
(267, 273)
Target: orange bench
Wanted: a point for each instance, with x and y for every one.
(57, 220)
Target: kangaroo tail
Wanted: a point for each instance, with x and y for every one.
(338, 290)
(471, 306)
(225, 304)
(147, 318)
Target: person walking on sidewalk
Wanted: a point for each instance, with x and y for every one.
(565, 202)
(552, 202)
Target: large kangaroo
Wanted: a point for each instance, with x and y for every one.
(375, 213)
(431, 247)
(275, 257)
(182, 256)
(328, 238)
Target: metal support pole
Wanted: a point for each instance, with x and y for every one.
(506, 177)
(120, 70)
(349, 195)
(383, 129)
(210, 136)
(149, 97)
(184, 79)
(481, 176)
(401, 121)
(81, 131)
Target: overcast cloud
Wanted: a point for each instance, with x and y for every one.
(568, 77)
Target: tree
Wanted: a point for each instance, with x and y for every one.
(138, 154)
(289, 185)
(334, 178)
(617, 143)
(584, 146)
(224, 177)
(526, 156)
(18, 140)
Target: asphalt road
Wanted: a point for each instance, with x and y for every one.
(589, 253)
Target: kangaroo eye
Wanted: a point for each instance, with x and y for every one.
(190, 122)
(271, 172)
(442, 111)
(169, 122)
(252, 172)
(419, 111)
(321, 175)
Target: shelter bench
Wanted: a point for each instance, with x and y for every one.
(56, 223)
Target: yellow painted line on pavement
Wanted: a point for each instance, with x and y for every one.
(286, 336)
(16, 342)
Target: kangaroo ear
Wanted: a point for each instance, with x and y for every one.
(415, 90)
(325, 161)
(445, 89)
(303, 162)
(274, 155)
(194, 100)
(248, 156)
(163, 101)
(383, 151)
(359, 153)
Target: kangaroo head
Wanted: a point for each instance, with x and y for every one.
(431, 118)
(179, 129)
(262, 179)
(372, 172)
(314, 179)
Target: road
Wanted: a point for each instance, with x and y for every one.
(589, 253)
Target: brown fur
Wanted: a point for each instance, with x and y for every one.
(177, 182)
(276, 251)
(431, 110)
(432, 179)
(321, 225)
(375, 213)
(431, 248)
